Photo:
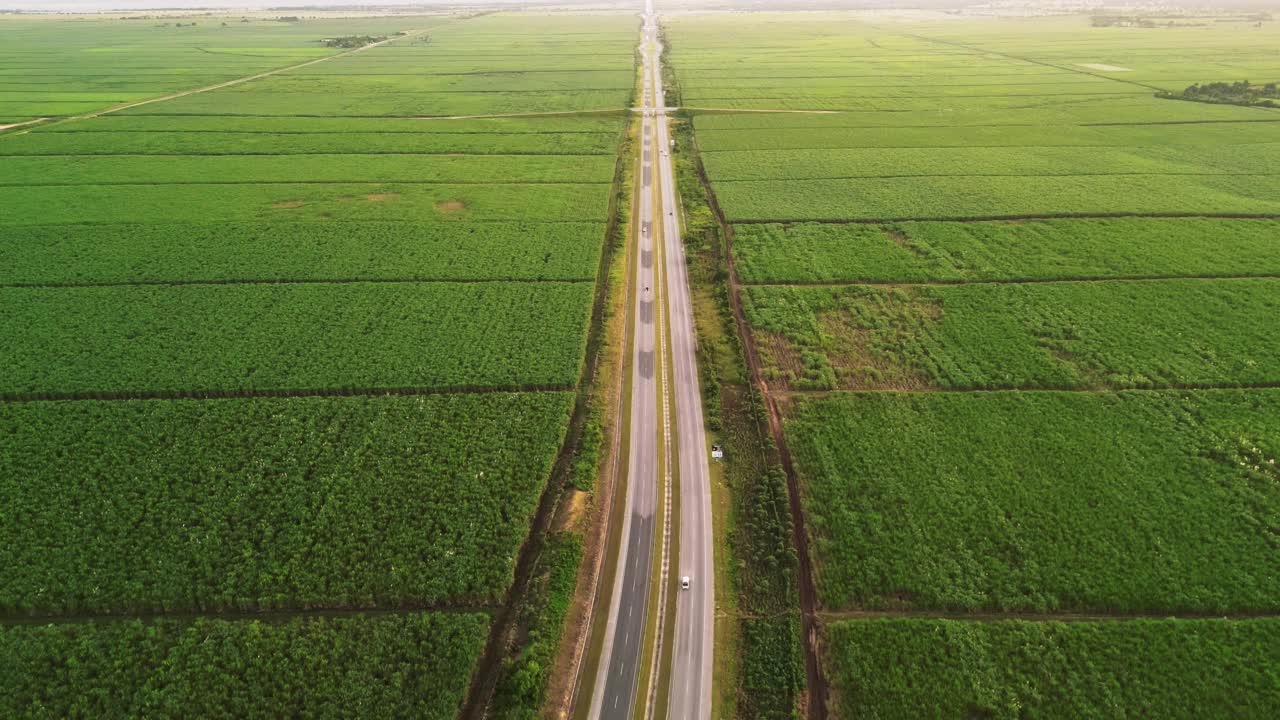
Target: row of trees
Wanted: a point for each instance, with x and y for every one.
(1239, 93)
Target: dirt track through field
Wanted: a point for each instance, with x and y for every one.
(231, 83)
(11, 126)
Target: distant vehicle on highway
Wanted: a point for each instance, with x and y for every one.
(684, 583)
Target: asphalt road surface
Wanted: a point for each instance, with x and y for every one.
(618, 674)
(695, 608)
(616, 686)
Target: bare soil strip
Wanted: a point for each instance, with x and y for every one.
(11, 126)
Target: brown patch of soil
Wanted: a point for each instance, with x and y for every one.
(450, 207)
(380, 197)
(900, 239)
(785, 358)
(572, 508)
(857, 356)
(289, 204)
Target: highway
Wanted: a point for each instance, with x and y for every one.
(616, 694)
(615, 688)
(690, 671)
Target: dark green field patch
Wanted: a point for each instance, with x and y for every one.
(908, 669)
(341, 251)
(1007, 250)
(1131, 502)
(254, 504)
(216, 668)
(196, 339)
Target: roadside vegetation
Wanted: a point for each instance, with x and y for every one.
(768, 677)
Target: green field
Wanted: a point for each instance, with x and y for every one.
(211, 668)
(1130, 502)
(101, 63)
(1067, 335)
(263, 503)
(1084, 249)
(956, 204)
(289, 348)
(1145, 668)
(142, 339)
(281, 251)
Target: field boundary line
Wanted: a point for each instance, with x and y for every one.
(1011, 281)
(207, 131)
(775, 128)
(1043, 63)
(876, 148)
(301, 221)
(724, 181)
(310, 154)
(997, 218)
(297, 281)
(208, 394)
(987, 616)
(792, 393)
(549, 113)
(750, 111)
(320, 183)
(242, 80)
(275, 614)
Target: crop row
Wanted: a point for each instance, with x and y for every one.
(302, 202)
(370, 142)
(269, 503)
(908, 669)
(337, 250)
(373, 103)
(389, 666)
(349, 169)
(302, 126)
(1007, 250)
(1147, 502)
(200, 338)
(1113, 334)
(976, 161)
(788, 90)
(937, 198)
(317, 79)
